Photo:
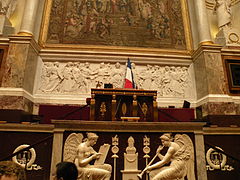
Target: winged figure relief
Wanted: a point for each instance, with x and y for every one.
(79, 150)
(180, 155)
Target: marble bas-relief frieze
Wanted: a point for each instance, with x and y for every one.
(80, 77)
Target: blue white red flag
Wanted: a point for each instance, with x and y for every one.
(129, 82)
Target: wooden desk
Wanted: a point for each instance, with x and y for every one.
(112, 104)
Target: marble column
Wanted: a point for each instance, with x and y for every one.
(29, 16)
(200, 156)
(202, 22)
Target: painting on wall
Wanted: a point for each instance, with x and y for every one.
(233, 73)
(127, 23)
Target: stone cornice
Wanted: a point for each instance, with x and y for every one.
(4, 41)
(95, 55)
(19, 39)
(48, 128)
(221, 130)
(81, 99)
(16, 92)
(217, 98)
(118, 126)
(206, 48)
(234, 51)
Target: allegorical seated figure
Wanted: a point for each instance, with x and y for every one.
(85, 154)
(179, 155)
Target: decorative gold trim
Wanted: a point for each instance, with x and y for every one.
(124, 109)
(206, 43)
(103, 109)
(45, 22)
(117, 126)
(186, 24)
(24, 34)
(117, 49)
(231, 39)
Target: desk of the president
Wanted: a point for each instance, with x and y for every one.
(111, 104)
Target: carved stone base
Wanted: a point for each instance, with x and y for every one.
(130, 174)
(228, 37)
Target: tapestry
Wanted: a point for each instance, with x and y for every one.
(129, 23)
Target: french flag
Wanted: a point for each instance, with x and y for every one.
(129, 82)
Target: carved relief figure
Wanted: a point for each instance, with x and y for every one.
(156, 78)
(80, 80)
(166, 81)
(89, 74)
(102, 74)
(53, 77)
(67, 81)
(180, 155)
(136, 75)
(224, 14)
(146, 76)
(117, 76)
(85, 154)
(7, 7)
(81, 152)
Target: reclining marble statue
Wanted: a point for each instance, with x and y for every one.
(180, 155)
(81, 152)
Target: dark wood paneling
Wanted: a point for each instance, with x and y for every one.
(9, 141)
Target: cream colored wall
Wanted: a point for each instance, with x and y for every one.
(236, 15)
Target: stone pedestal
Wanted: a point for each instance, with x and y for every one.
(130, 171)
(130, 174)
(228, 37)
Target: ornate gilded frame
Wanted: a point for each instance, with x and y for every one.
(232, 67)
(101, 48)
